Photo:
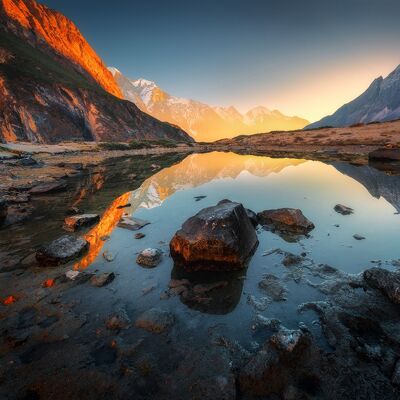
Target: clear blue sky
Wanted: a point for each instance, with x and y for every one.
(305, 57)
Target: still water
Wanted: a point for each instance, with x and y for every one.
(168, 198)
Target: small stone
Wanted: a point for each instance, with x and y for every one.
(358, 237)
(139, 235)
(271, 285)
(76, 222)
(344, 210)
(62, 250)
(291, 259)
(155, 320)
(102, 279)
(198, 198)
(116, 322)
(108, 256)
(149, 258)
(71, 274)
(133, 224)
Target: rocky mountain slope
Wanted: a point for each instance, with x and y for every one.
(54, 87)
(380, 102)
(202, 121)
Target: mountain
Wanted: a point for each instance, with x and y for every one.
(54, 87)
(380, 102)
(202, 121)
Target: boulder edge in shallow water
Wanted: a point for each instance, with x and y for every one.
(217, 238)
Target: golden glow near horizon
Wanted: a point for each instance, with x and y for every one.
(323, 90)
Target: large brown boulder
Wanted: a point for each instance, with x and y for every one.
(290, 220)
(221, 237)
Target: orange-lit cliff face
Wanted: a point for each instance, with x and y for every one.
(25, 17)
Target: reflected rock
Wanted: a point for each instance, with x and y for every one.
(61, 250)
(218, 293)
(286, 220)
(221, 237)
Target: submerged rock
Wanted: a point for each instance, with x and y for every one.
(385, 281)
(155, 320)
(358, 237)
(133, 224)
(149, 258)
(62, 250)
(221, 237)
(76, 222)
(344, 210)
(289, 220)
(291, 259)
(139, 235)
(51, 187)
(102, 279)
(271, 285)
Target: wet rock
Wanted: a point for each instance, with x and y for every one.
(289, 220)
(221, 237)
(269, 323)
(76, 222)
(102, 279)
(51, 187)
(385, 154)
(252, 216)
(133, 224)
(291, 259)
(155, 320)
(149, 258)
(139, 235)
(344, 210)
(77, 277)
(108, 256)
(62, 250)
(271, 285)
(3, 211)
(385, 281)
(358, 237)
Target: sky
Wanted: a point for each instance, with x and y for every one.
(303, 57)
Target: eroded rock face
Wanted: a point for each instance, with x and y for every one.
(61, 250)
(221, 237)
(76, 222)
(385, 281)
(290, 220)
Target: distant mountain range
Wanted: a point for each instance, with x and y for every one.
(202, 121)
(54, 87)
(379, 103)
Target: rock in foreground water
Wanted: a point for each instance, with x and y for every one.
(155, 320)
(75, 222)
(149, 258)
(221, 237)
(344, 210)
(62, 250)
(385, 281)
(289, 220)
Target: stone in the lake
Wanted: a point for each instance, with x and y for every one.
(3, 210)
(344, 210)
(291, 259)
(385, 154)
(289, 340)
(271, 285)
(62, 250)
(358, 237)
(76, 222)
(221, 237)
(139, 235)
(289, 220)
(385, 281)
(131, 223)
(149, 258)
(396, 374)
(108, 256)
(155, 320)
(251, 214)
(51, 187)
(103, 279)
(116, 322)
(71, 274)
